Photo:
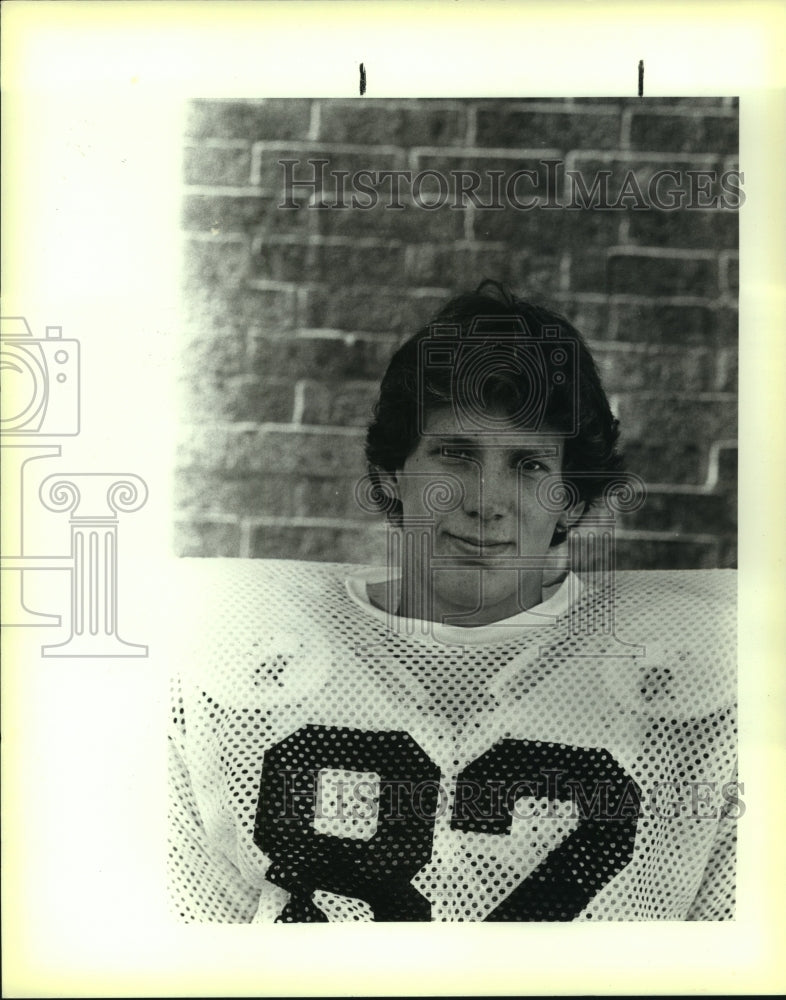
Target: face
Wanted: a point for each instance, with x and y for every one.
(494, 517)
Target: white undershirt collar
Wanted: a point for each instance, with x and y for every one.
(556, 601)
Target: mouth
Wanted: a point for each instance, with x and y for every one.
(477, 548)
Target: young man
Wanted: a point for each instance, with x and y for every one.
(471, 732)
(496, 405)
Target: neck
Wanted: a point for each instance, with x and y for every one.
(427, 603)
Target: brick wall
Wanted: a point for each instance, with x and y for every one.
(291, 314)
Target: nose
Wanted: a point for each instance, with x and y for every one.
(489, 492)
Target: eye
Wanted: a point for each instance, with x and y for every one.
(532, 465)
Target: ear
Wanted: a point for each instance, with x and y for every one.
(571, 516)
(386, 493)
(388, 482)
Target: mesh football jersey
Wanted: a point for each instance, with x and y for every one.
(332, 763)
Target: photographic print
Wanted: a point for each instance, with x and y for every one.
(388, 454)
(459, 387)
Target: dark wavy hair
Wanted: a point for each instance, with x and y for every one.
(499, 355)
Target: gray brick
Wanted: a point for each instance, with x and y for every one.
(324, 179)
(242, 398)
(667, 438)
(538, 230)
(590, 317)
(678, 553)
(728, 553)
(343, 404)
(217, 165)
(463, 267)
(332, 497)
(334, 359)
(701, 228)
(242, 214)
(373, 265)
(730, 277)
(663, 324)
(357, 310)
(202, 446)
(591, 228)
(688, 370)
(199, 492)
(727, 326)
(410, 224)
(299, 453)
(279, 119)
(222, 213)
(329, 262)
(516, 126)
(213, 348)
(278, 259)
(206, 538)
(712, 514)
(378, 122)
(727, 372)
(214, 265)
(319, 544)
(589, 272)
(631, 182)
(697, 133)
(265, 308)
(669, 103)
(662, 275)
(219, 320)
(509, 189)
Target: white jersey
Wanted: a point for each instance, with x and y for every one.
(332, 763)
